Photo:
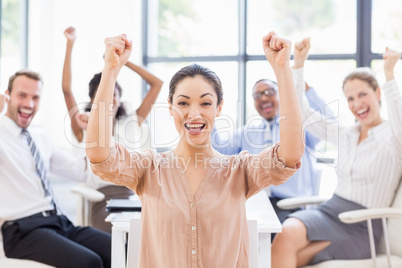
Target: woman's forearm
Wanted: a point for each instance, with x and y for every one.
(291, 131)
(100, 124)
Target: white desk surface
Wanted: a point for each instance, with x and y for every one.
(257, 207)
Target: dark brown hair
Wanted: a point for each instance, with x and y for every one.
(30, 74)
(93, 87)
(365, 74)
(192, 71)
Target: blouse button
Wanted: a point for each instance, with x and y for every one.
(194, 251)
(192, 205)
(193, 228)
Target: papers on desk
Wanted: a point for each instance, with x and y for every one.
(119, 205)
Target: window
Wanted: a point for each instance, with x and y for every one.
(329, 23)
(13, 38)
(386, 25)
(193, 28)
(226, 37)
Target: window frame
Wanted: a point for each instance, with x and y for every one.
(363, 55)
(24, 4)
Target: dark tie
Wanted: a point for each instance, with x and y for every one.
(40, 166)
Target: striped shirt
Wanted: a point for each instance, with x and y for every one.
(368, 172)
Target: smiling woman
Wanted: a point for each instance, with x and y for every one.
(368, 170)
(195, 99)
(193, 187)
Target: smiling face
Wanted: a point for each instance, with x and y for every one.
(24, 100)
(267, 105)
(194, 106)
(363, 101)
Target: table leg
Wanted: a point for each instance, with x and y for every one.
(265, 249)
(119, 240)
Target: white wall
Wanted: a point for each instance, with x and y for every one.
(94, 20)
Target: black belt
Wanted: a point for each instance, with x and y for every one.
(43, 214)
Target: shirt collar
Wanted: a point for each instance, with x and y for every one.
(274, 121)
(379, 130)
(9, 124)
(374, 132)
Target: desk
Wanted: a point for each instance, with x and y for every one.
(257, 207)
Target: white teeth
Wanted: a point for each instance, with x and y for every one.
(194, 125)
(26, 111)
(267, 105)
(362, 111)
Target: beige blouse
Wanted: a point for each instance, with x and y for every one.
(206, 230)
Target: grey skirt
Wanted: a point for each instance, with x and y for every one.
(348, 241)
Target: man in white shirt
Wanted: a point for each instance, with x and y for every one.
(32, 225)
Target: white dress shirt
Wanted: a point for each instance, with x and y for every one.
(21, 190)
(368, 172)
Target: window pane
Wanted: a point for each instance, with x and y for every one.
(386, 25)
(327, 77)
(11, 39)
(192, 28)
(163, 132)
(322, 20)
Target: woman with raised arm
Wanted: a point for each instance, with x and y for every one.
(193, 198)
(369, 170)
(128, 127)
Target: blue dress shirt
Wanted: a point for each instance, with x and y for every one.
(260, 134)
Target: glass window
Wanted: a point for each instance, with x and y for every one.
(324, 21)
(192, 28)
(327, 77)
(11, 39)
(386, 25)
(163, 132)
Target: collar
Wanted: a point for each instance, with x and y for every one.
(274, 121)
(375, 132)
(378, 131)
(9, 124)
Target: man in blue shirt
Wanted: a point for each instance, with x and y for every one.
(263, 131)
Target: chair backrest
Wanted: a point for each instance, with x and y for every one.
(395, 226)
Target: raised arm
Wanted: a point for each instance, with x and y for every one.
(155, 87)
(100, 124)
(390, 57)
(3, 100)
(393, 96)
(66, 84)
(277, 51)
(316, 122)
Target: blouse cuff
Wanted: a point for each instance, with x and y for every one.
(108, 161)
(280, 162)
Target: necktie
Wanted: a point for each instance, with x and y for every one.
(40, 166)
(268, 134)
